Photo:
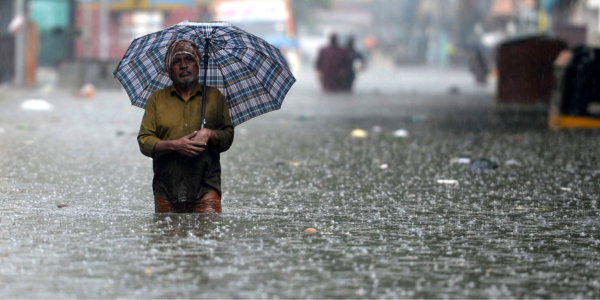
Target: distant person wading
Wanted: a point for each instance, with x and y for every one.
(186, 159)
(350, 72)
(332, 66)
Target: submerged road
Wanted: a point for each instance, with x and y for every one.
(395, 217)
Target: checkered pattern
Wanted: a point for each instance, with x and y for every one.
(251, 73)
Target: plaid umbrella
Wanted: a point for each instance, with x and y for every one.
(250, 72)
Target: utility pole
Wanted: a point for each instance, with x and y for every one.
(20, 42)
(87, 32)
(103, 26)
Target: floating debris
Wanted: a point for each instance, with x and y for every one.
(565, 189)
(359, 134)
(46, 89)
(383, 166)
(400, 133)
(61, 205)
(536, 208)
(304, 116)
(447, 181)
(87, 91)
(460, 160)
(513, 162)
(148, 271)
(291, 163)
(36, 104)
(310, 230)
(483, 164)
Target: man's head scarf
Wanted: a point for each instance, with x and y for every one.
(176, 47)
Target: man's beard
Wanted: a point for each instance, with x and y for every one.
(187, 81)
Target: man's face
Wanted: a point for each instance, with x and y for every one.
(184, 69)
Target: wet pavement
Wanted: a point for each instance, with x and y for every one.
(395, 218)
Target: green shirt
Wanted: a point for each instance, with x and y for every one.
(169, 117)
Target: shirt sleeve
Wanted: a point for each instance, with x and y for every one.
(147, 137)
(225, 129)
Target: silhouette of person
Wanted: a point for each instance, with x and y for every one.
(353, 56)
(332, 65)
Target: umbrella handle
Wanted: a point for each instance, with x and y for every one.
(206, 46)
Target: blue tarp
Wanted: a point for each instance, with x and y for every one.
(281, 41)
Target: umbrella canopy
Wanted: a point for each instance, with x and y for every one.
(250, 72)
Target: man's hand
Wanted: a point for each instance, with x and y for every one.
(189, 145)
(206, 137)
(184, 146)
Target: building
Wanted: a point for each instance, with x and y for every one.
(126, 20)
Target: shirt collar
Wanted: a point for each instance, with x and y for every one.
(197, 90)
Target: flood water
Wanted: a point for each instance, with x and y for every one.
(388, 224)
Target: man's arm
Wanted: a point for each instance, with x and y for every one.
(147, 137)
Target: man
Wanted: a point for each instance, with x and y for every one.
(478, 65)
(332, 66)
(353, 55)
(186, 160)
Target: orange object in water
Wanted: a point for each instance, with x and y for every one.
(310, 230)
